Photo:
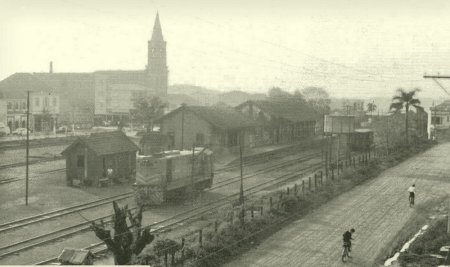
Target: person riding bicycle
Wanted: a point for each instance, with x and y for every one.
(412, 194)
(347, 236)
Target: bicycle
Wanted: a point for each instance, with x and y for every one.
(345, 255)
(411, 201)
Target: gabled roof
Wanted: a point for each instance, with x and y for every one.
(444, 106)
(289, 109)
(16, 85)
(105, 143)
(219, 117)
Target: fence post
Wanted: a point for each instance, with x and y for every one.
(262, 210)
(232, 216)
(332, 174)
(287, 191)
(216, 226)
(253, 215)
(172, 259)
(295, 189)
(309, 183)
(303, 186)
(182, 249)
(270, 203)
(200, 237)
(354, 162)
(165, 258)
(315, 182)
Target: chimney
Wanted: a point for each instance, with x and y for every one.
(51, 66)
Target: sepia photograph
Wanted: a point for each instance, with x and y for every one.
(234, 133)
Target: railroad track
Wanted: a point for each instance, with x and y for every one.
(16, 179)
(211, 206)
(82, 227)
(19, 164)
(60, 212)
(21, 144)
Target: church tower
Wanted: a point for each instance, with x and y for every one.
(157, 71)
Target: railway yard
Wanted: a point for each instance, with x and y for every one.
(59, 216)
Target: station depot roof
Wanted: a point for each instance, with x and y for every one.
(176, 154)
(106, 143)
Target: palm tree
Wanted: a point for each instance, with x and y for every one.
(371, 107)
(405, 99)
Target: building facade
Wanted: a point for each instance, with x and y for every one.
(215, 127)
(88, 98)
(281, 120)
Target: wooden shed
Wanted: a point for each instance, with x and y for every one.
(89, 158)
(154, 142)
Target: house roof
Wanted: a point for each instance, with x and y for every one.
(444, 106)
(218, 116)
(154, 139)
(289, 109)
(74, 256)
(16, 85)
(105, 143)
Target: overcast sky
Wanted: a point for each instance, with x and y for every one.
(351, 48)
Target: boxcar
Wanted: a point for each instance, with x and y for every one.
(172, 175)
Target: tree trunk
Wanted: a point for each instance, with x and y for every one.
(406, 124)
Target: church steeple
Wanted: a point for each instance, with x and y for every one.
(157, 63)
(157, 31)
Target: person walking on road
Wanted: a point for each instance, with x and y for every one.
(412, 194)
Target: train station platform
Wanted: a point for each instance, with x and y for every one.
(251, 154)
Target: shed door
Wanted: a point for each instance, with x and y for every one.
(80, 166)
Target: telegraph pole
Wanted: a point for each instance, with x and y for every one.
(241, 191)
(28, 147)
(192, 174)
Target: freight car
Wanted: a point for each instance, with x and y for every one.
(172, 175)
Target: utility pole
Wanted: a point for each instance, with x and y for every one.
(192, 174)
(28, 147)
(241, 191)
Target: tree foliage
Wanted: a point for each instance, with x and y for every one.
(146, 110)
(318, 98)
(371, 107)
(275, 92)
(127, 241)
(405, 99)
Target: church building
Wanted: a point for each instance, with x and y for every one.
(88, 99)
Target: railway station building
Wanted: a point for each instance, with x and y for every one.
(281, 120)
(89, 158)
(215, 126)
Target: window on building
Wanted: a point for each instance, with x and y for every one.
(46, 101)
(200, 139)
(24, 105)
(10, 105)
(436, 120)
(16, 105)
(55, 101)
(37, 102)
(80, 161)
(233, 139)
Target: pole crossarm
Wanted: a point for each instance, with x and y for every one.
(435, 77)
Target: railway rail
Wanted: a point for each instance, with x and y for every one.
(211, 206)
(82, 227)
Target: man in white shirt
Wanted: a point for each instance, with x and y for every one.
(412, 194)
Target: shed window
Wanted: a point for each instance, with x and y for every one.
(80, 161)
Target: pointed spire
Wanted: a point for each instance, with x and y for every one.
(157, 32)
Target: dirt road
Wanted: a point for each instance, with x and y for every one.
(377, 209)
